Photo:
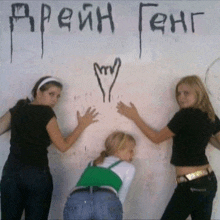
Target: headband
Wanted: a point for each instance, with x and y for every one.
(122, 142)
(50, 79)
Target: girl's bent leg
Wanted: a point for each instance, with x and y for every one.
(204, 209)
(193, 198)
(203, 190)
(179, 204)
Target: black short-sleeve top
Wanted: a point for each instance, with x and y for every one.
(29, 137)
(192, 129)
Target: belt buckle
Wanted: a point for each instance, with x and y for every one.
(197, 174)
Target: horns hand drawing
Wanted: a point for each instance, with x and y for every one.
(106, 76)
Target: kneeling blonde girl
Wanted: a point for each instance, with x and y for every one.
(102, 188)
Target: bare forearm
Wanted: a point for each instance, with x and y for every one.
(5, 122)
(132, 114)
(63, 144)
(73, 137)
(146, 129)
(155, 136)
(214, 142)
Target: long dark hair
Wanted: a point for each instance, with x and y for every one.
(44, 87)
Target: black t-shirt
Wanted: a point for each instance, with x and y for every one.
(29, 137)
(192, 129)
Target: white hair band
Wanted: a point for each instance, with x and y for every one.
(50, 79)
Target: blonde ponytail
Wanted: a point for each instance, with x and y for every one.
(100, 158)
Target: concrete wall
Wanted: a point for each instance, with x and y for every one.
(157, 42)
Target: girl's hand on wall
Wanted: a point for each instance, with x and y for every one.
(128, 111)
(88, 118)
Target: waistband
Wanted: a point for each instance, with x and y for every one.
(195, 175)
(93, 189)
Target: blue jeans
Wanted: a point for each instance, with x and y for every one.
(98, 205)
(193, 198)
(29, 189)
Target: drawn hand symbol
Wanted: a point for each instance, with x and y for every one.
(106, 76)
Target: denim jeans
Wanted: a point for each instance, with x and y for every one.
(193, 198)
(98, 205)
(29, 189)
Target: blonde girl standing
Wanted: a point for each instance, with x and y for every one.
(102, 188)
(191, 129)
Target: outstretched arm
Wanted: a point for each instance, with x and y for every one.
(5, 122)
(131, 113)
(63, 144)
(215, 141)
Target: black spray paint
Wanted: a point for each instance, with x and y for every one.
(63, 20)
(161, 18)
(16, 8)
(109, 74)
(85, 17)
(43, 18)
(82, 22)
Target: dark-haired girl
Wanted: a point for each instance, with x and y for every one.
(26, 182)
